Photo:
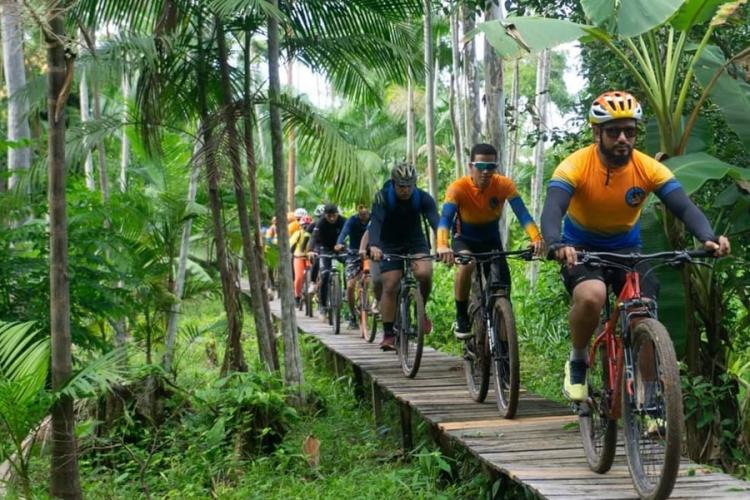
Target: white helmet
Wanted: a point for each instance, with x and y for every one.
(319, 210)
(300, 212)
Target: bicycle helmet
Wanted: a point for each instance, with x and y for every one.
(319, 210)
(614, 105)
(300, 212)
(331, 208)
(404, 174)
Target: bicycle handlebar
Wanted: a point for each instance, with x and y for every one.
(465, 258)
(396, 256)
(630, 260)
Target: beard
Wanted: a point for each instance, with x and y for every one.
(618, 155)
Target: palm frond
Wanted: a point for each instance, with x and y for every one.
(97, 376)
(24, 359)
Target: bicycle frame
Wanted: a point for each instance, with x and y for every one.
(619, 357)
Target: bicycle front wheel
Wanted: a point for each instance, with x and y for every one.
(598, 430)
(652, 411)
(335, 301)
(505, 362)
(477, 356)
(367, 320)
(307, 296)
(411, 334)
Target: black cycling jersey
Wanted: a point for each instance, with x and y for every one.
(354, 229)
(325, 234)
(397, 222)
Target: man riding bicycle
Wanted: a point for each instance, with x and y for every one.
(601, 190)
(396, 228)
(472, 209)
(354, 228)
(325, 233)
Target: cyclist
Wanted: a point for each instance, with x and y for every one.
(317, 215)
(298, 242)
(472, 210)
(395, 227)
(602, 189)
(354, 228)
(325, 233)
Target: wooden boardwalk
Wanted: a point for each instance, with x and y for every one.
(539, 448)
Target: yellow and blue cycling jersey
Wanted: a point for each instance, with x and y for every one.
(473, 214)
(605, 206)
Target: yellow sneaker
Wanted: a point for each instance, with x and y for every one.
(575, 387)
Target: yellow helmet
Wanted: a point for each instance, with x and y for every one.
(614, 105)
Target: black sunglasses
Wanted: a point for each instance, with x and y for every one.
(614, 132)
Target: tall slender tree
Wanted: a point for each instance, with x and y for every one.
(456, 95)
(473, 124)
(64, 476)
(292, 359)
(493, 88)
(85, 107)
(19, 157)
(429, 118)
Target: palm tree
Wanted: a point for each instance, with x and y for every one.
(64, 478)
(19, 155)
(429, 117)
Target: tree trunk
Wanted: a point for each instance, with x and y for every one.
(124, 141)
(512, 144)
(292, 360)
(411, 125)
(493, 89)
(230, 123)
(103, 179)
(234, 356)
(83, 90)
(542, 81)
(429, 100)
(473, 123)
(291, 156)
(258, 293)
(64, 478)
(19, 158)
(187, 226)
(456, 97)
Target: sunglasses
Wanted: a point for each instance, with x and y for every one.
(614, 132)
(484, 165)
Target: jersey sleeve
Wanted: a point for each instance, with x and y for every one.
(447, 215)
(345, 231)
(519, 209)
(662, 179)
(429, 210)
(565, 177)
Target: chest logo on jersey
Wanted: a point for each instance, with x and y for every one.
(635, 196)
(494, 202)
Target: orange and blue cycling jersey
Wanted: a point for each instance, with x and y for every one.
(473, 214)
(605, 204)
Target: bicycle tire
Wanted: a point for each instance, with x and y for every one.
(477, 356)
(410, 332)
(507, 376)
(653, 429)
(598, 430)
(366, 317)
(335, 300)
(307, 296)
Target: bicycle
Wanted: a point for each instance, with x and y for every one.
(496, 353)
(307, 296)
(637, 378)
(410, 316)
(335, 294)
(368, 320)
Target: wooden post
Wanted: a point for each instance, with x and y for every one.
(338, 365)
(359, 386)
(406, 436)
(377, 404)
(330, 358)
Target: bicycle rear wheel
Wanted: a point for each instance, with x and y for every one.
(505, 361)
(334, 300)
(367, 320)
(598, 430)
(652, 411)
(477, 356)
(410, 332)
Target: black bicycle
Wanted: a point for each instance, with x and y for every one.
(335, 294)
(490, 312)
(410, 315)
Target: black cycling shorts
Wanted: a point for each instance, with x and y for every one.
(611, 276)
(500, 271)
(416, 246)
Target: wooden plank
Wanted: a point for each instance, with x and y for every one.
(540, 448)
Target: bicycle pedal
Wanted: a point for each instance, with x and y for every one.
(582, 409)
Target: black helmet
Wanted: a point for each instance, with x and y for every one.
(404, 174)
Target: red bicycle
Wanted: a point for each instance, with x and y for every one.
(636, 376)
